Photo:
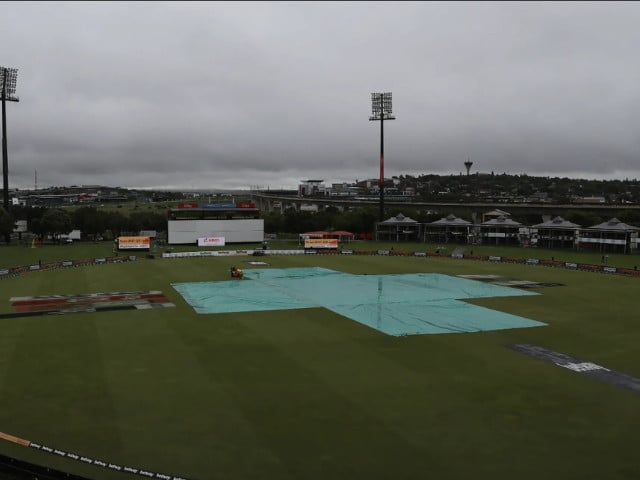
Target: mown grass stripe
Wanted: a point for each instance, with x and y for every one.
(313, 426)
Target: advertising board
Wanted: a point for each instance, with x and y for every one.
(320, 243)
(134, 243)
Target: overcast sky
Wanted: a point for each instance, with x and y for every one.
(233, 95)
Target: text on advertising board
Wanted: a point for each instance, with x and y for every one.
(134, 243)
(211, 242)
(320, 243)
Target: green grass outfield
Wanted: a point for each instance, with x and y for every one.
(308, 394)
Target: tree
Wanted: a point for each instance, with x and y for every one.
(55, 222)
(7, 224)
(360, 221)
(116, 222)
(274, 222)
(90, 221)
(147, 221)
(299, 222)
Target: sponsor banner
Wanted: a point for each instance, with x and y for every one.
(347, 252)
(207, 253)
(284, 252)
(4, 271)
(533, 261)
(588, 267)
(310, 252)
(183, 254)
(590, 369)
(211, 242)
(188, 205)
(34, 267)
(457, 255)
(100, 260)
(419, 254)
(571, 265)
(383, 252)
(608, 241)
(495, 259)
(610, 269)
(67, 263)
(320, 243)
(134, 243)
(132, 258)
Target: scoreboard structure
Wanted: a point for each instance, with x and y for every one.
(235, 222)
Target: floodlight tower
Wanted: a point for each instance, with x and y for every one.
(381, 110)
(8, 81)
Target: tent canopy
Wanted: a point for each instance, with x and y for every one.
(399, 219)
(614, 225)
(451, 219)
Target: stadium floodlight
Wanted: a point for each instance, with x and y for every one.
(381, 109)
(381, 106)
(8, 81)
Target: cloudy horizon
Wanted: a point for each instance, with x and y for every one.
(233, 95)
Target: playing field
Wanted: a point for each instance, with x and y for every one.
(310, 393)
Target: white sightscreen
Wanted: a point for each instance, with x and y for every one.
(234, 231)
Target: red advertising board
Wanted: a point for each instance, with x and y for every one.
(188, 205)
(321, 243)
(134, 243)
(245, 205)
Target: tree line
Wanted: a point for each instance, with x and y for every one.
(94, 222)
(91, 221)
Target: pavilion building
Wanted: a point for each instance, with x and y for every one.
(612, 236)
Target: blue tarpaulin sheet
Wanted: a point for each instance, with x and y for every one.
(399, 304)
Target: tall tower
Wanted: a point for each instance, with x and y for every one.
(381, 109)
(7, 90)
(468, 164)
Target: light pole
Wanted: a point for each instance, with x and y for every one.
(8, 81)
(381, 110)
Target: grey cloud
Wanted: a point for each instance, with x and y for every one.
(268, 93)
